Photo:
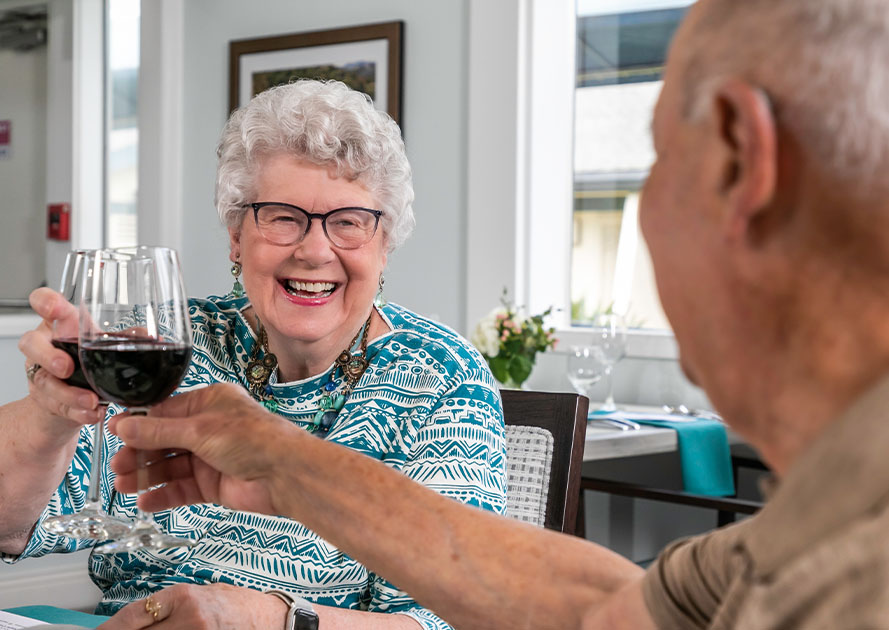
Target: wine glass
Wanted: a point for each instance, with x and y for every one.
(135, 347)
(585, 368)
(610, 337)
(91, 522)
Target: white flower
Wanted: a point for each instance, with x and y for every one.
(485, 336)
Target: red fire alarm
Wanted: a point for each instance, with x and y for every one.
(58, 221)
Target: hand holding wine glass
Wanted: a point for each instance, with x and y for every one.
(60, 404)
(135, 346)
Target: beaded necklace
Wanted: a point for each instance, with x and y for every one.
(352, 366)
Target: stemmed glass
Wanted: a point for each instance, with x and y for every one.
(135, 347)
(91, 522)
(610, 337)
(585, 368)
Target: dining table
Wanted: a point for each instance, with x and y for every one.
(607, 441)
(604, 441)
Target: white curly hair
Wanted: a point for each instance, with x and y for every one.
(324, 123)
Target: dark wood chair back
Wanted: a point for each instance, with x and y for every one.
(565, 417)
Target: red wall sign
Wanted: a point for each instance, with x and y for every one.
(58, 224)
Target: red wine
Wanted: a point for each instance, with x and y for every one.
(135, 373)
(77, 378)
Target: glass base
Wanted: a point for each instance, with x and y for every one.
(144, 534)
(90, 523)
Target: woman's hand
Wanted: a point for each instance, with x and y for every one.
(46, 387)
(215, 444)
(227, 607)
(214, 606)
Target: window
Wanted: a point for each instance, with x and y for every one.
(122, 129)
(621, 48)
(557, 225)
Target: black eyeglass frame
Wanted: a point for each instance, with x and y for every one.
(314, 215)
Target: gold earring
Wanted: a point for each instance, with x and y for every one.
(380, 300)
(237, 288)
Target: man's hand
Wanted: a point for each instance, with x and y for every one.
(214, 445)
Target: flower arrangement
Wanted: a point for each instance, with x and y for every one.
(510, 341)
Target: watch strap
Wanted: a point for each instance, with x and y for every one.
(301, 614)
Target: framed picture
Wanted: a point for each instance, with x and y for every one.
(366, 58)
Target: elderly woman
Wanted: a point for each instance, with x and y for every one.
(315, 189)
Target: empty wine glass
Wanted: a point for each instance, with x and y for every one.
(610, 337)
(585, 368)
(135, 347)
(91, 522)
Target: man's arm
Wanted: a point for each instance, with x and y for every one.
(473, 568)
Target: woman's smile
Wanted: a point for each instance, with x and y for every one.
(313, 291)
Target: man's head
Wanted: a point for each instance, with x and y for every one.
(772, 138)
(822, 63)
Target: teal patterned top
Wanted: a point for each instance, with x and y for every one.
(427, 405)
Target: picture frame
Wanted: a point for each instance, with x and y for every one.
(367, 58)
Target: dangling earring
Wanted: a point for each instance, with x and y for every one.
(379, 300)
(237, 287)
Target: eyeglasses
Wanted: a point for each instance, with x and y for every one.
(286, 224)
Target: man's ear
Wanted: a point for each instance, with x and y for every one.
(747, 130)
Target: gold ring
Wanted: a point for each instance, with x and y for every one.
(152, 607)
(32, 370)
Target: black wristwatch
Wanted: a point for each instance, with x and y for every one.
(301, 616)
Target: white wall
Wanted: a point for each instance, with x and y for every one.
(22, 173)
(426, 274)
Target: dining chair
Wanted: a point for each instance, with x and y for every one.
(728, 508)
(545, 433)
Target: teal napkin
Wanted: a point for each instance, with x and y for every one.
(51, 614)
(704, 453)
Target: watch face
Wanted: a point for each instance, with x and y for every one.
(305, 620)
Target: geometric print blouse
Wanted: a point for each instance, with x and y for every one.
(427, 406)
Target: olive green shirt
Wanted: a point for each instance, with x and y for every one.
(817, 554)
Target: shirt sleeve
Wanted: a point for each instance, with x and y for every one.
(687, 584)
(459, 452)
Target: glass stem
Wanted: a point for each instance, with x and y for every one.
(143, 519)
(92, 495)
